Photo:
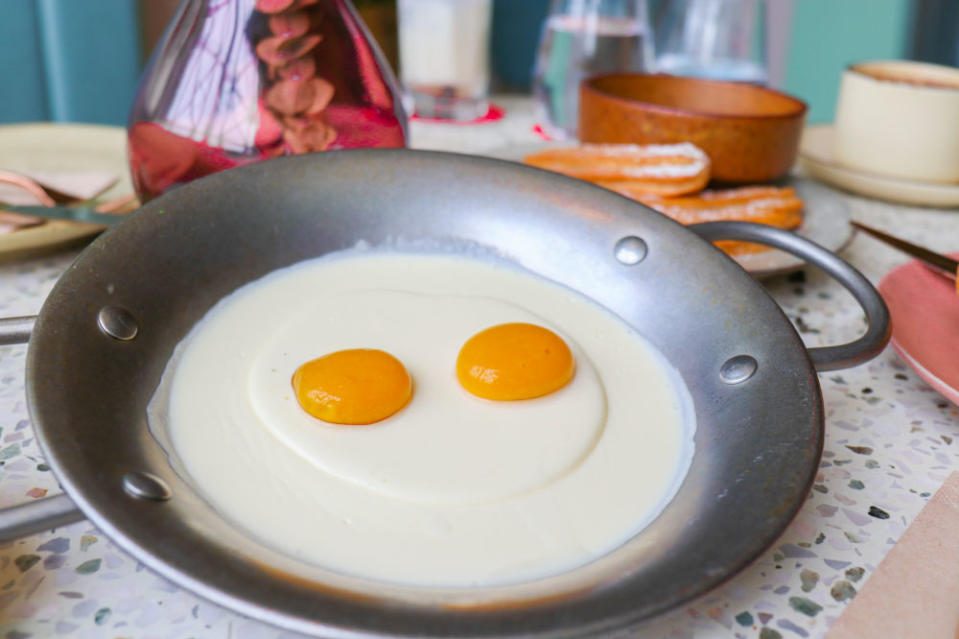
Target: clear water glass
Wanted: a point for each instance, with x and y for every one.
(580, 39)
(716, 39)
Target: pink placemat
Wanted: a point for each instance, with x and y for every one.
(914, 594)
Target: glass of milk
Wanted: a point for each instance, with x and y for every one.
(583, 38)
(444, 56)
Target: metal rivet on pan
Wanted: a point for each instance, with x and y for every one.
(117, 322)
(738, 369)
(630, 250)
(145, 486)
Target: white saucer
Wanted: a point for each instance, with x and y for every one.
(816, 159)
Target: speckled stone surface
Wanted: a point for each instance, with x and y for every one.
(890, 443)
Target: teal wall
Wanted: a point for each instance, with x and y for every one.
(78, 60)
(825, 37)
(828, 35)
(68, 60)
(22, 88)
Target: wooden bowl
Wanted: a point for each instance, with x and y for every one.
(750, 133)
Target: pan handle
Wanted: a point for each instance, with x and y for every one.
(38, 516)
(16, 330)
(42, 514)
(877, 315)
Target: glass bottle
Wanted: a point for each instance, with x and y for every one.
(583, 38)
(237, 81)
(717, 39)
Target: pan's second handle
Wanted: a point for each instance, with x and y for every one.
(37, 516)
(42, 514)
(877, 315)
(16, 330)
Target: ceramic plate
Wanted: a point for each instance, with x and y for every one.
(925, 324)
(816, 158)
(47, 147)
(825, 219)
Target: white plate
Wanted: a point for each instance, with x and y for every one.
(51, 148)
(816, 158)
(825, 218)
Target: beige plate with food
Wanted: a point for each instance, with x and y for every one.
(816, 159)
(825, 218)
(49, 148)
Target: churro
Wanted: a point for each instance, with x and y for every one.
(769, 205)
(635, 170)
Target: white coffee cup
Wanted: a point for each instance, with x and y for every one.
(899, 119)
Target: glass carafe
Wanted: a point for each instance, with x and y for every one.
(717, 39)
(583, 38)
(237, 81)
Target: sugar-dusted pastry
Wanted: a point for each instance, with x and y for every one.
(634, 170)
(770, 205)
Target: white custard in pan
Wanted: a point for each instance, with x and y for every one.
(452, 490)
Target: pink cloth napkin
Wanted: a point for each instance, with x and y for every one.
(914, 594)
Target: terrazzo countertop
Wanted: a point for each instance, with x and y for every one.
(890, 443)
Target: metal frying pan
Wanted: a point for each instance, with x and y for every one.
(106, 331)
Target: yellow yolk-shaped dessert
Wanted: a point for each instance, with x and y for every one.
(356, 386)
(514, 361)
(452, 491)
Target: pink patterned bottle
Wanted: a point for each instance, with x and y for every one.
(238, 81)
